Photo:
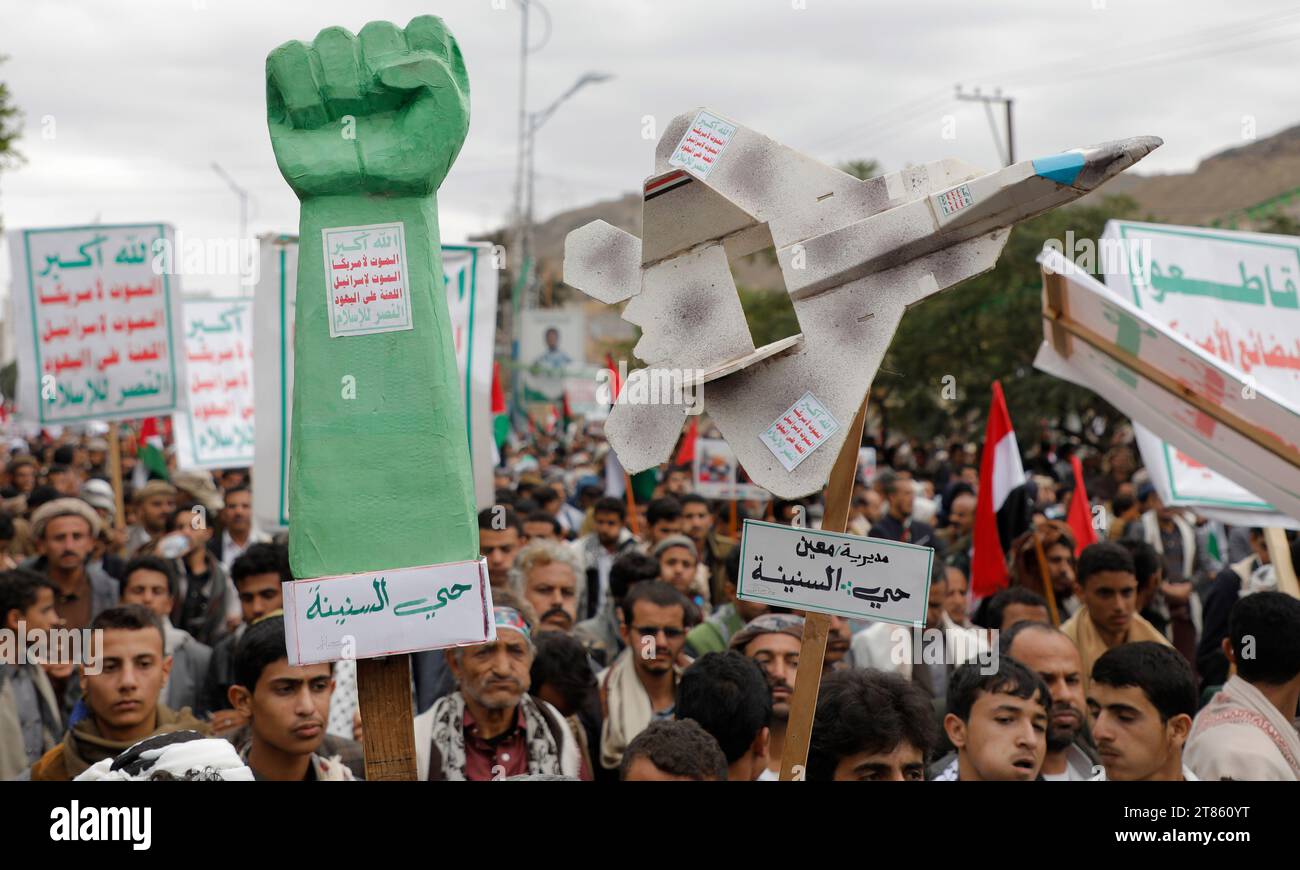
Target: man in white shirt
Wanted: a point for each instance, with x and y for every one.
(1245, 732)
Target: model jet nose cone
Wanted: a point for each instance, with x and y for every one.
(1104, 161)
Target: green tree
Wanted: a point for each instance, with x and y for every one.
(10, 128)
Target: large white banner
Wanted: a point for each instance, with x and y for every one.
(1232, 294)
(97, 323)
(1175, 388)
(471, 285)
(217, 429)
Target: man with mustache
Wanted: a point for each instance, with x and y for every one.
(640, 686)
(773, 641)
(549, 577)
(286, 708)
(1048, 652)
(490, 728)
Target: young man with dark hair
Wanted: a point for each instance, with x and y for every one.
(500, 535)
(697, 523)
(870, 726)
(562, 675)
(610, 540)
(1108, 586)
(1142, 699)
(120, 695)
(641, 684)
(1013, 605)
(1245, 732)
(673, 750)
(727, 695)
(997, 721)
(31, 718)
(1049, 653)
(286, 708)
(151, 582)
(539, 525)
(663, 517)
(257, 575)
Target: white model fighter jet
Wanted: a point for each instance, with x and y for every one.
(854, 255)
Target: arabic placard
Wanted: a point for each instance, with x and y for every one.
(470, 282)
(365, 268)
(702, 144)
(1233, 294)
(217, 430)
(804, 427)
(388, 612)
(831, 572)
(96, 323)
(1259, 431)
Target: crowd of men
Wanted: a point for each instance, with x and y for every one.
(1162, 652)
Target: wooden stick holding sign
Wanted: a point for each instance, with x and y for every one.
(812, 653)
(364, 129)
(115, 478)
(1279, 555)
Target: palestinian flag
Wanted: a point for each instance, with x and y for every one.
(1000, 472)
(1079, 517)
(500, 419)
(150, 461)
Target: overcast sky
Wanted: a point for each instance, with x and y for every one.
(142, 97)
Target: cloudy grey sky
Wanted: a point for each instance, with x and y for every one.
(141, 97)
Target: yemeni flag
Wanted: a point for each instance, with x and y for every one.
(1079, 518)
(500, 419)
(150, 462)
(1000, 472)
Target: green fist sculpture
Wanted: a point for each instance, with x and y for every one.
(365, 129)
(384, 112)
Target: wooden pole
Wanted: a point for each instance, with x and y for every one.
(388, 726)
(115, 476)
(732, 523)
(812, 653)
(1279, 555)
(631, 505)
(1048, 592)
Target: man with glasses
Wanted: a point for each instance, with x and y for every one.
(640, 686)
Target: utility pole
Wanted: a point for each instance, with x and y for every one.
(1009, 153)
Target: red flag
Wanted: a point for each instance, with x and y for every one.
(686, 452)
(614, 385)
(498, 397)
(1079, 518)
(1000, 472)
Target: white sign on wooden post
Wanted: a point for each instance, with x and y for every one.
(831, 572)
(379, 613)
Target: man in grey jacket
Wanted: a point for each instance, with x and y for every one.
(151, 582)
(65, 530)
